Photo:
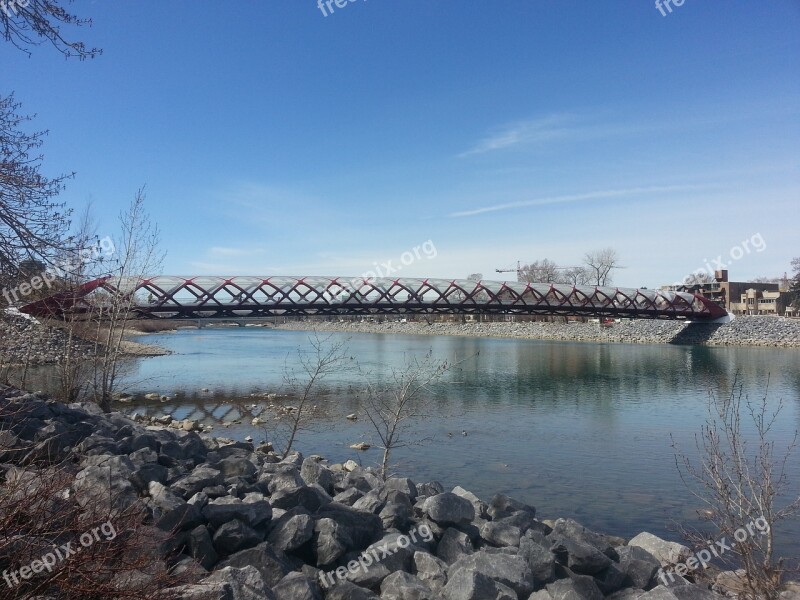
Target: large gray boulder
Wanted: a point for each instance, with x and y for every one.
(404, 586)
(297, 586)
(470, 585)
(360, 527)
(105, 489)
(270, 563)
(309, 497)
(502, 506)
(579, 588)
(580, 557)
(395, 551)
(163, 498)
(499, 533)
(401, 484)
(639, 566)
(201, 477)
(292, 532)
(200, 591)
(574, 530)
(454, 545)
(234, 536)
(221, 510)
(313, 471)
(449, 509)
(507, 569)
(541, 561)
(371, 502)
(348, 496)
(481, 508)
(245, 583)
(201, 548)
(431, 571)
(285, 477)
(236, 467)
(330, 541)
(345, 590)
(679, 592)
(667, 553)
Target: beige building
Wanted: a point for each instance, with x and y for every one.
(744, 297)
(759, 302)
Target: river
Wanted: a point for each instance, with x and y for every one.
(579, 430)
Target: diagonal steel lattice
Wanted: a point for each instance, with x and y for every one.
(206, 297)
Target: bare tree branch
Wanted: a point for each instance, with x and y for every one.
(27, 23)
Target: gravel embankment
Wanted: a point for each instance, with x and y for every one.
(742, 331)
(24, 340)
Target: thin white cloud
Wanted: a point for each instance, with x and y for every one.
(546, 129)
(620, 193)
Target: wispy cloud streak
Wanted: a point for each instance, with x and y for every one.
(601, 194)
(535, 131)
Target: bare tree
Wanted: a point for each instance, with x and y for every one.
(27, 23)
(137, 258)
(32, 225)
(599, 265)
(794, 285)
(574, 276)
(325, 358)
(395, 406)
(82, 262)
(740, 484)
(539, 271)
(701, 277)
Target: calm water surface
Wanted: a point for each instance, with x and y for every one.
(576, 429)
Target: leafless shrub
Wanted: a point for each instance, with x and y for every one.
(396, 405)
(302, 384)
(81, 551)
(740, 477)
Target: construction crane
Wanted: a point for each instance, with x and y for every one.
(518, 269)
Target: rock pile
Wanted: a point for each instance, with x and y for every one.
(23, 340)
(742, 331)
(248, 525)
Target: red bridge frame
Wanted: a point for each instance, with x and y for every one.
(206, 297)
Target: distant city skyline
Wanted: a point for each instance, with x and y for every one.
(275, 140)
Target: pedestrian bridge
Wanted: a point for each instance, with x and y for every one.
(206, 297)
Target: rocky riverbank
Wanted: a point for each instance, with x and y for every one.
(245, 524)
(28, 341)
(742, 331)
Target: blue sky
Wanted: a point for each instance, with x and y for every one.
(274, 140)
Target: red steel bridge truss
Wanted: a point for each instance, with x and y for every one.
(205, 297)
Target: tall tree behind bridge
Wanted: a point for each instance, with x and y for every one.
(575, 276)
(539, 271)
(600, 264)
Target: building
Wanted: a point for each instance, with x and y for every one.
(758, 302)
(743, 297)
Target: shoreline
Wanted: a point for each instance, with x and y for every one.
(750, 331)
(241, 514)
